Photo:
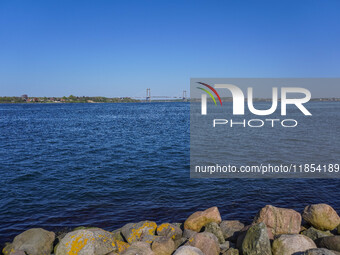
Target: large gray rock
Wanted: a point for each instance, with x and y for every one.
(93, 241)
(230, 229)
(169, 230)
(144, 230)
(35, 241)
(140, 248)
(256, 241)
(215, 229)
(314, 233)
(321, 216)
(117, 235)
(291, 244)
(188, 250)
(329, 242)
(318, 252)
(14, 252)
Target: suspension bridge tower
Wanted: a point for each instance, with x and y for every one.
(148, 95)
(184, 95)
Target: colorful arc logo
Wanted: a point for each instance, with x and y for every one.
(209, 93)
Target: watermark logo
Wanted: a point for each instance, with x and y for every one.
(239, 99)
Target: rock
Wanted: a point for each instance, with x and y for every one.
(137, 231)
(318, 252)
(201, 218)
(231, 251)
(279, 220)
(231, 228)
(338, 228)
(93, 241)
(140, 248)
(206, 242)
(291, 244)
(148, 238)
(179, 242)
(329, 242)
(15, 252)
(35, 241)
(187, 233)
(314, 233)
(225, 246)
(169, 230)
(256, 241)
(117, 235)
(188, 250)
(121, 246)
(240, 237)
(163, 246)
(321, 216)
(215, 229)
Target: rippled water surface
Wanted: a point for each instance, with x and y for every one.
(68, 165)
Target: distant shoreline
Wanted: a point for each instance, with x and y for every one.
(96, 100)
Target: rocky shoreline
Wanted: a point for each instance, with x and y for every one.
(274, 231)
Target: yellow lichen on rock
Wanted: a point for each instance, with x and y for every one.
(77, 244)
(121, 246)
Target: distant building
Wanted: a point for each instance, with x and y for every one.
(24, 97)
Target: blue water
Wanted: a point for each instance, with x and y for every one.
(68, 165)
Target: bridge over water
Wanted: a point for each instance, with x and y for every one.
(149, 98)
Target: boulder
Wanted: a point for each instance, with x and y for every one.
(318, 252)
(279, 220)
(224, 246)
(140, 248)
(187, 233)
(169, 230)
(148, 238)
(231, 251)
(321, 216)
(15, 252)
(121, 246)
(199, 219)
(93, 241)
(35, 241)
(117, 235)
(206, 242)
(329, 242)
(188, 250)
(215, 229)
(314, 233)
(133, 232)
(179, 242)
(291, 244)
(163, 246)
(256, 241)
(230, 229)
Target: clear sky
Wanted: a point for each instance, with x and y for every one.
(120, 48)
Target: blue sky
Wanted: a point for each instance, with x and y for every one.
(120, 48)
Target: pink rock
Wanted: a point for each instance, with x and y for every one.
(206, 242)
(279, 220)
